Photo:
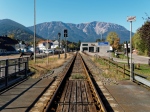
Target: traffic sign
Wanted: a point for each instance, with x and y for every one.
(126, 46)
(103, 43)
(131, 18)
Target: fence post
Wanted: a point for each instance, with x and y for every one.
(15, 65)
(6, 73)
(27, 63)
(109, 63)
(123, 70)
(25, 69)
(117, 68)
(19, 64)
(0, 69)
(132, 72)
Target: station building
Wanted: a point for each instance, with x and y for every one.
(94, 46)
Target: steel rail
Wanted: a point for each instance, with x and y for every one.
(56, 91)
(50, 105)
(99, 102)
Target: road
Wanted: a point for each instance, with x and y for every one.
(18, 56)
(135, 58)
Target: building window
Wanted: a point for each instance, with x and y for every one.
(85, 48)
(84, 44)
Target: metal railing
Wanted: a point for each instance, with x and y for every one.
(12, 70)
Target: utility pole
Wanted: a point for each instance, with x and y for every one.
(101, 37)
(59, 34)
(34, 31)
(47, 51)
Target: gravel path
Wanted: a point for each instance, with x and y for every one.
(97, 72)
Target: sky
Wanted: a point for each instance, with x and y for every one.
(76, 11)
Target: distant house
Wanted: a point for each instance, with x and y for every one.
(21, 46)
(43, 45)
(56, 44)
(7, 45)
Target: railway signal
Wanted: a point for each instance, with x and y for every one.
(65, 33)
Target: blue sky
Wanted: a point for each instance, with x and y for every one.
(76, 11)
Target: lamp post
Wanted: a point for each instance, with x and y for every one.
(59, 34)
(34, 31)
(131, 19)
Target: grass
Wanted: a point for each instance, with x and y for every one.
(121, 56)
(109, 72)
(45, 65)
(77, 76)
(144, 69)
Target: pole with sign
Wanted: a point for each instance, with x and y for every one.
(131, 19)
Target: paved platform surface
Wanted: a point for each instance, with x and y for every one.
(18, 100)
(130, 96)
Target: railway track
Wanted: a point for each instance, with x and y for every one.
(72, 91)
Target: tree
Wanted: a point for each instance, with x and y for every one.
(113, 39)
(138, 43)
(99, 40)
(116, 44)
(12, 36)
(144, 32)
(63, 43)
(71, 46)
(78, 44)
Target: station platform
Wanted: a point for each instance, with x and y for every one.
(21, 97)
(126, 97)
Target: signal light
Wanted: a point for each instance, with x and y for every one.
(65, 33)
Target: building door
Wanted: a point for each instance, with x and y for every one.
(97, 49)
(91, 49)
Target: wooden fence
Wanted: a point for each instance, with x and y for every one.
(121, 68)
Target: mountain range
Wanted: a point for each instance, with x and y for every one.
(8, 27)
(85, 32)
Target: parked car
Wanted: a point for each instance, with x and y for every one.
(48, 51)
(109, 51)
